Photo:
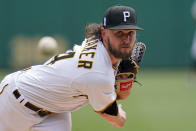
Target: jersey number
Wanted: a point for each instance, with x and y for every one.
(62, 56)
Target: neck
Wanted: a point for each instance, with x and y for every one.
(114, 60)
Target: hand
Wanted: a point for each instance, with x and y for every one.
(128, 69)
(117, 121)
(125, 85)
(123, 94)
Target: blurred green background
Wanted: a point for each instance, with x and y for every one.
(165, 102)
(168, 26)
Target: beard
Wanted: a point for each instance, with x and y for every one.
(117, 53)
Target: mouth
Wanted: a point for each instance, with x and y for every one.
(125, 47)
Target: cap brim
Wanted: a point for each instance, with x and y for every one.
(125, 27)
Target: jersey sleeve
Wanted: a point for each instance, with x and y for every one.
(100, 91)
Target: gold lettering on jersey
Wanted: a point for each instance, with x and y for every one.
(85, 64)
(89, 43)
(86, 54)
(1, 91)
(94, 47)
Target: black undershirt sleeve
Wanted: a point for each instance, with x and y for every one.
(112, 110)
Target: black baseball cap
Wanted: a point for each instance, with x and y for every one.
(120, 17)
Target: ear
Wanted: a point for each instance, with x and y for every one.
(103, 32)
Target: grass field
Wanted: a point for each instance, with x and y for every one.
(165, 102)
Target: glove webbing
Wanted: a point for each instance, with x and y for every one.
(137, 55)
(138, 52)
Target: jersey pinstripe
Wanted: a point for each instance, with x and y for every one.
(69, 81)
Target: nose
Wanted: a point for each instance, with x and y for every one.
(129, 38)
(126, 39)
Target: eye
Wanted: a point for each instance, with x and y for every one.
(130, 33)
(119, 34)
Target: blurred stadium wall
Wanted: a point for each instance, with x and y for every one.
(168, 27)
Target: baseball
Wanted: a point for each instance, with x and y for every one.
(47, 45)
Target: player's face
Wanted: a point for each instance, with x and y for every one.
(120, 42)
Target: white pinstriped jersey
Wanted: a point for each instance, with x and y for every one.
(71, 80)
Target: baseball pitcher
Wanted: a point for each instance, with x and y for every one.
(98, 72)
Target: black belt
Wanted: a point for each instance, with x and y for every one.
(40, 111)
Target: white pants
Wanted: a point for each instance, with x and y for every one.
(56, 122)
(14, 116)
